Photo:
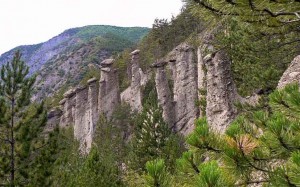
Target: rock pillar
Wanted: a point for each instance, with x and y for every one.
(221, 92)
(109, 92)
(185, 89)
(68, 107)
(164, 94)
(133, 94)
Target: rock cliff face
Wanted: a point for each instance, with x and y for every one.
(292, 74)
(165, 96)
(109, 92)
(221, 92)
(82, 106)
(133, 94)
(179, 79)
(179, 106)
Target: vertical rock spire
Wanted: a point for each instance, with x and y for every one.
(133, 94)
(109, 92)
(221, 92)
(164, 94)
(179, 109)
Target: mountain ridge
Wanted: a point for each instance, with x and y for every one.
(36, 55)
(64, 59)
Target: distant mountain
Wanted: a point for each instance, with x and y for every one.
(37, 55)
(65, 58)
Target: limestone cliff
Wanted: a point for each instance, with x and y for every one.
(109, 92)
(82, 106)
(133, 94)
(221, 92)
(179, 106)
(179, 79)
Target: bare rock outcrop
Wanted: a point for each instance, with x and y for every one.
(165, 96)
(68, 107)
(93, 113)
(82, 106)
(292, 74)
(179, 109)
(133, 94)
(185, 89)
(201, 70)
(109, 92)
(221, 92)
(81, 126)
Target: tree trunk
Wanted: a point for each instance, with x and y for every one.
(12, 145)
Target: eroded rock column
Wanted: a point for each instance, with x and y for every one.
(109, 92)
(201, 82)
(133, 94)
(185, 89)
(68, 107)
(221, 92)
(164, 94)
(93, 114)
(81, 126)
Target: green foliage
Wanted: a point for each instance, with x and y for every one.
(157, 175)
(211, 175)
(152, 138)
(101, 167)
(121, 62)
(132, 33)
(261, 147)
(165, 35)
(259, 36)
(42, 170)
(21, 124)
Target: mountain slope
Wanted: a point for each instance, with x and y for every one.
(65, 59)
(37, 55)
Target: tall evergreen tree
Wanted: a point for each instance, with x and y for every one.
(20, 125)
(153, 138)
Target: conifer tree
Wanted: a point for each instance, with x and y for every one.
(21, 125)
(260, 37)
(153, 138)
(261, 147)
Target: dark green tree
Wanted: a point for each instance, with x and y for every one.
(261, 148)
(153, 138)
(101, 167)
(260, 37)
(21, 125)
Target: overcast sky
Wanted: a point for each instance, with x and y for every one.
(34, 21)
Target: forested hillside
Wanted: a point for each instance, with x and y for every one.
(209, 98)
(76, 47)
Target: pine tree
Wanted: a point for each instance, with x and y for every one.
(21, 124)
(261, 147)
(152, 138)
(157, 174)
(260, 37)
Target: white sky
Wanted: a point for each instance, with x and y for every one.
(34, 21)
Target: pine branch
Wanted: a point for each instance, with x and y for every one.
(212, 9)
(252, 165)
(194, 165)
(275, 14)
(289, 181)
